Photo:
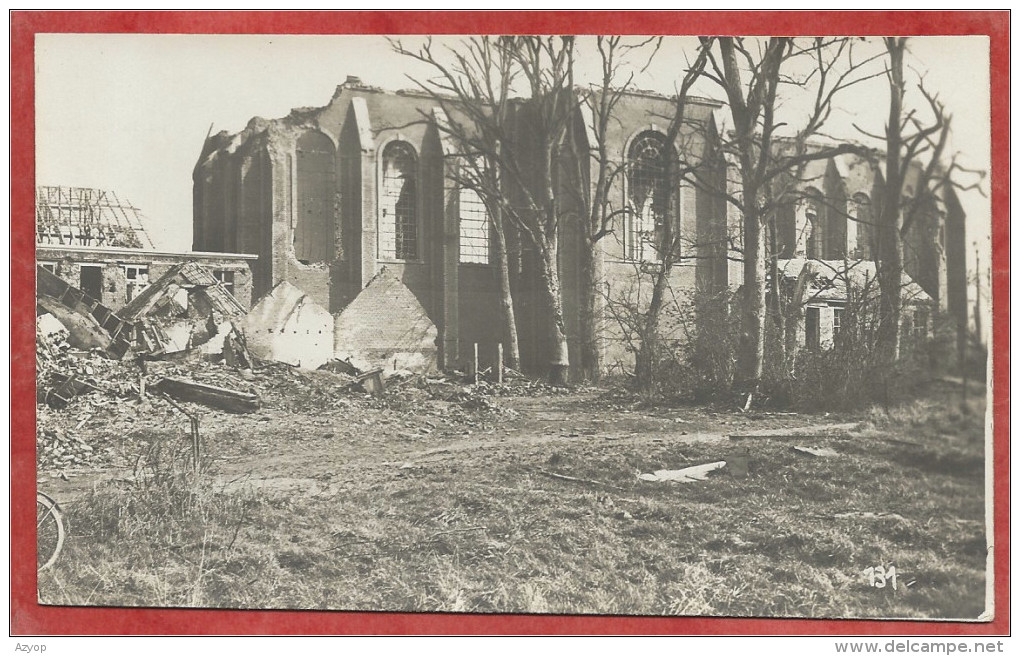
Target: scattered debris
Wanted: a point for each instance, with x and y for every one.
(57, 448)
(817, 431)
(573, 479)
(341, 367)
(66, 388)
(185, 309)
(869, 515)
(371, 382)
(64, 373)
(209, 395)
(685, 475)
(818, 452)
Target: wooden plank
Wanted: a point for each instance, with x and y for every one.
(220, 398)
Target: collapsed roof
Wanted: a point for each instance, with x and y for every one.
(80, 216)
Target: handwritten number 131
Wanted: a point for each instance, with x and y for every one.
(878, 576)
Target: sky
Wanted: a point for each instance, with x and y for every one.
(129, 113)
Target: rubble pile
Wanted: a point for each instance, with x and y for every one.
(57, 448)
(280, 386)
(72, 386)
(186, 354)
(64, 372)
(518, 385)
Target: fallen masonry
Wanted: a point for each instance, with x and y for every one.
(385, 327)
(286, 325)
(685, 475)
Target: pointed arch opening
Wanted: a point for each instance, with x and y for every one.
(398, 203)
(314, 225)
(648, 196)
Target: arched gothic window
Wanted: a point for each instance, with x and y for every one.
(811, 227)
(864, 216)
(647, 196)
(398, 206)
(474, 228)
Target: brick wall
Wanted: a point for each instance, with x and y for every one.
(386, 326)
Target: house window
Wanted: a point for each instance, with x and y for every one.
(49, 266)
(91, 280)
(398, 212)
(920, 327)
(137, 279)
(648, 196)
(812, 328)
(474, 228)
(837, 323)
(226, 279)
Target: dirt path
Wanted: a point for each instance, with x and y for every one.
(319, 454)
(538, 423)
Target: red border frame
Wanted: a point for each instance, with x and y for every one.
(27, 617)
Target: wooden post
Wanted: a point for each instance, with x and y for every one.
(476, 363)
(196, 445)
(141, 385)
(499, 362)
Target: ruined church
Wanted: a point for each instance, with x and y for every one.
(359, 191)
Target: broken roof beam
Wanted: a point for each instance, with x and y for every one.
(92, 321)
(219, 398)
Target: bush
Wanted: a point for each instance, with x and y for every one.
(854, 373)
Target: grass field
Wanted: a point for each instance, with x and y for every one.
(533, 505)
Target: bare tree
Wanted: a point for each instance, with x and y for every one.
(675, 171)
(751, 73)
(517, 181)
(912, 142)
(473, 88)
(594, 174)
(561, 170)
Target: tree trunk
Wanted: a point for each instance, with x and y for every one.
(778, 305)
(559, 358)
(795, 319)
(890, 284)
(648, 355)
(751, 358)
(512, 355)
(591, 338)
(890, 243)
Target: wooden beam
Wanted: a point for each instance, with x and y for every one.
(220, 398)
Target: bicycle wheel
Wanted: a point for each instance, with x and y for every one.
(49, 531)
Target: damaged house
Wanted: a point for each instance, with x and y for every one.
(94, 241)
(331, 198)
(100, 276)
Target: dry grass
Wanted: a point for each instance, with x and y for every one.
(477, 533)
